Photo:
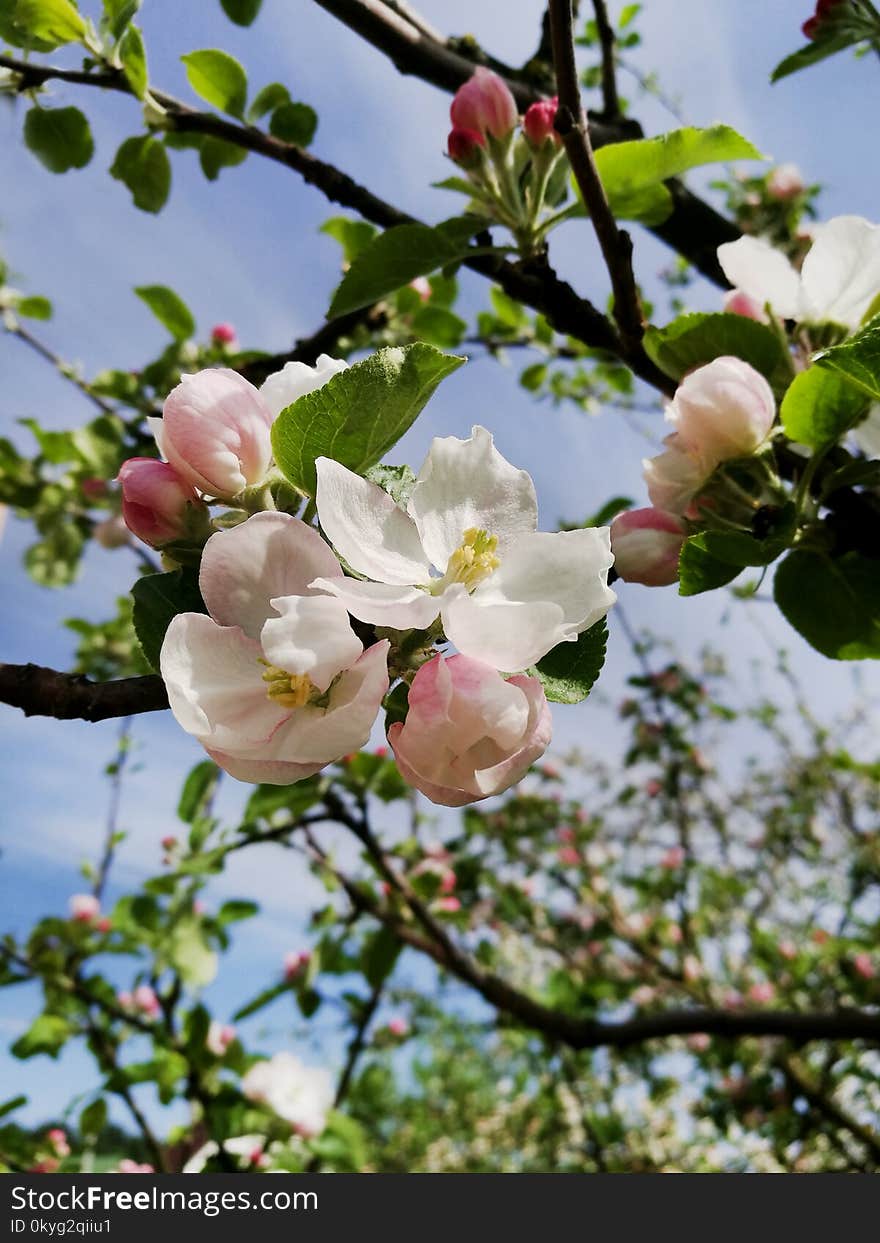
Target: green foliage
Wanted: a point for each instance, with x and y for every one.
(157, 599)
(60, 138)
(360, 413)
(242, 12)
(142, 165)
(133, 57)
(293, 122)
(819, 406)
(834, 603)
(857, 359)
(199, 786)
(170, 310)
(117, 16)
(47, 1034)
(40, 25)
(352, 235)
(698, 338)
(702, 570)
(815, 51)
(399, 255)
(569, 672)
(380, 954)
(218, 78)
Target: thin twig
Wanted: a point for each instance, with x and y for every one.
(608, 45)
(39, 347)
(123, 749)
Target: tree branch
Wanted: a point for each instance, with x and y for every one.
(39, 691)
(572, 124)
(607, 43)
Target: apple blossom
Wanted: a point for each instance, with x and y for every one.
(469, 733)
(57, 1138)
(224, 334)
(484, 104)
(214, 431)
(295, 963)
(538, 122)
(785, 182)
(294, 380)
(144, 999)
(761, 993)
(448, 905)
(127, 1166)
(722, 410)
(864, 966)
(84, 908)
(506, 593)
(220, 1036)
(735, 302)
(838, 280)
(646, 544)
(301, 1095)
(274, 683)
(673, 858)
(245, 1147)
(398, 1026)
(464, 147)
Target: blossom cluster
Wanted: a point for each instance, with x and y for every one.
(289, 666)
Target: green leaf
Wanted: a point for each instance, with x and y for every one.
(199, 784)
(399, 255)
(438, 326)
(569, 672)
(857, 359)
(170, 310)
(49, 22)
(242, 12)
(818, 49)
(237, 909)
(133, 57)
(267, 100)
(699, 570)
(34, 307)
(12, 1104)
(190, 954)
(158, 598)
(626, 167)
(216, 154)
(698, 338)
(93, 1118)
(736, 548)
(60, 138)
(47, 1034)
(352, 235)
(833, 603)
(117, 15)
(142, 165)
(381, 951)
(218, 78)
(262, 999)
(292, 122)
(359, 413)
(819, 406)
(267, 800)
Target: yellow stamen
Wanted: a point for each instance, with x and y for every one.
(288, 690)
(474, 559)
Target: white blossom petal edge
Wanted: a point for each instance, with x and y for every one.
(465, 550)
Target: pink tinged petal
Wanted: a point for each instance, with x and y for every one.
(722, 410)
(213, 676)
(312, 635)
(675, 476)
(294, 380)
(381, 604)
(647, 544)
(154, 500)
(267, 557)
(365, 526)
(548, 589)
(215, 432)
(262, 772)
(485, 104)
(315, 735)
(467, 483)
(762, 272)
(841, 273)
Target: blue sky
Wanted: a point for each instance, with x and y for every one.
(246, 249)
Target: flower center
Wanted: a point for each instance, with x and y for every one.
(288, 690)
(474, 559)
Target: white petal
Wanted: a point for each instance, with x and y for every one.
(402, 608)
(841, 273)
(268, 556)
(467, 483)
(294, 380)
(867, 433)
(365, 526)
(157, 426)
(214, 681)
(315, 735)
(311, 636)
(763, 272)
(548, 589)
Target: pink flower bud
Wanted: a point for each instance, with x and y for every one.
(154, 500)
(646, 544)
(422, 287)
(398, 1026)
(58, 1140)
(464, 147)
(762, 993)
(220, 1037)
(699, 1042)
(145, 1000)
(127, 1166)
(84, 908)
(295, 964)
(169, 842)
(538, 122)
(566, 834)
(104, 925)
(810, 27)
(785, 182)
(569, 857)
(215, 432)
(673, 859)
(738, 303)
(111, 533)
(722, 410)
(484, 104)
(381, 753)
(94, 489)
(224, 334)
(863, 966)
(469, 733)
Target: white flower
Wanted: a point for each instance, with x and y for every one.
(838, 281)
(273, 683)
(241, 1146)
(301, 1095)
(465, 549)
(294, 380)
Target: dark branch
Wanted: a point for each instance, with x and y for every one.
(607, 43)
(69, 696)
